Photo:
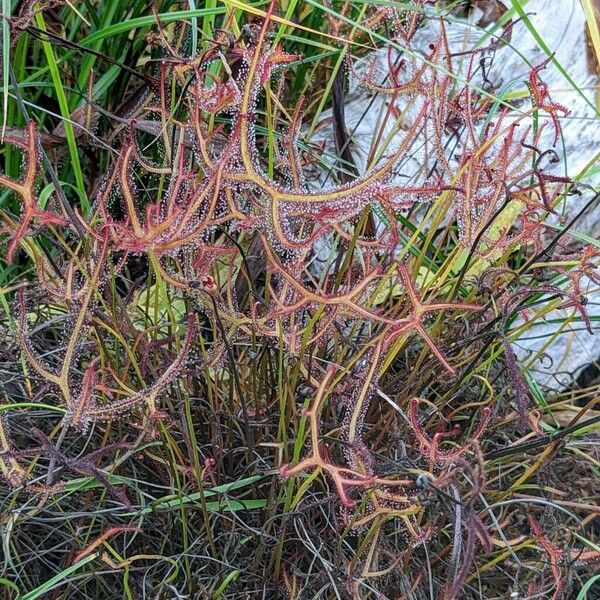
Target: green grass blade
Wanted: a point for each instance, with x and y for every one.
(6, 10)
(583, 592)
(66, 114)
(5, 583)
(226, 583)
(148, 21)
(57, 580)
(577, 234)
(194, 28)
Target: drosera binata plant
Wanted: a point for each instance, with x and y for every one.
(144, 319)
(25, 188)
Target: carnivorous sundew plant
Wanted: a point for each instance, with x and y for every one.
(238, 363)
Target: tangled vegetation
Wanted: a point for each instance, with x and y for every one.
(237, 366)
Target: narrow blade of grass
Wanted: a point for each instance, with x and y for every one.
(64, 110)
(6, 10)
(57, 580)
